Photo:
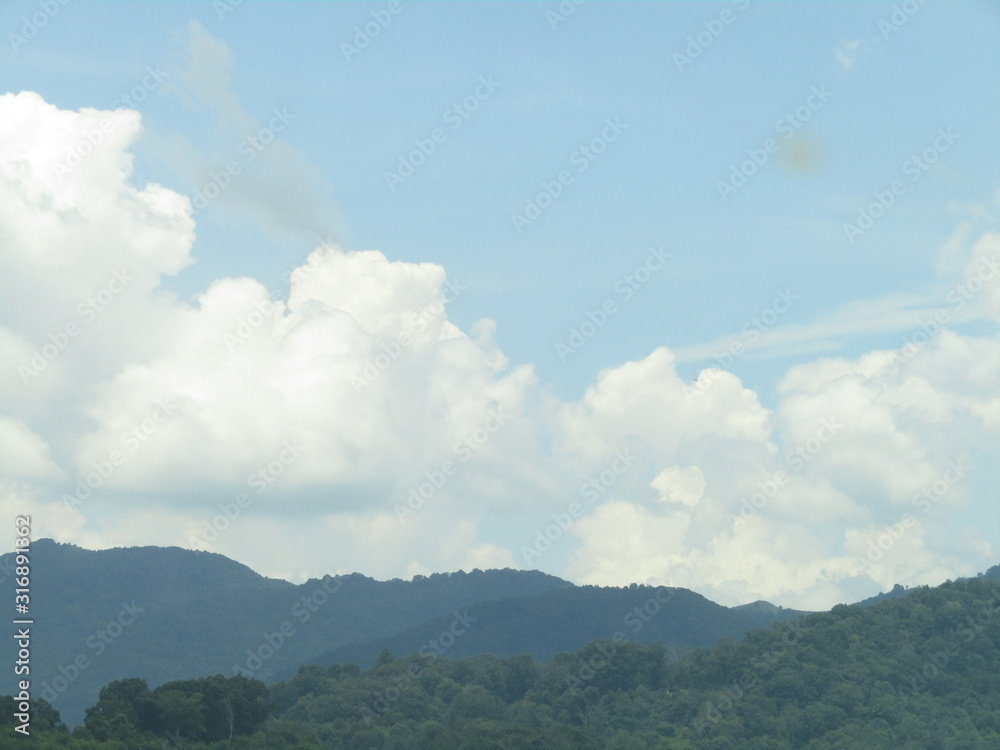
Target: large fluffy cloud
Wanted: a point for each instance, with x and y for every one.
(350, 425)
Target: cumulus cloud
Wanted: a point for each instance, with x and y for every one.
(355, 419)
(854, 476)
(336, 401)
(25, 455)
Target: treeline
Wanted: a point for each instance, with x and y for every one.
(920, 672)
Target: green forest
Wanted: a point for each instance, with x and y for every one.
(179, 614)
(915, 672)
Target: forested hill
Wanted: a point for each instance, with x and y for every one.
(568, 619)
(165, 614)
(170, 613)
(900, 590)
(920, 672)
(916, 672)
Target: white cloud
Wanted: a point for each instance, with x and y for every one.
(265, 176)
(684, 485)
(380, 395)
(25, 454)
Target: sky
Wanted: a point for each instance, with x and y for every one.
(690, 294)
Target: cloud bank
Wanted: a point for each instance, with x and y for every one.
(350, 425)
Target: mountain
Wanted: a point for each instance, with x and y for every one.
(897, 590)
(164, 614)
(993, 573)
(170, 613)
(914, 672)
(567, 619)
(900, 590)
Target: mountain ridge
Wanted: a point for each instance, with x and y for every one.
(167, 613)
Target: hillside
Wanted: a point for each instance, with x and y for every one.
(169, 613)
(165, 614)
(568, 619)
(918, 672)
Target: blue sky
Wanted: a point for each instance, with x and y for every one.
(657, 186)
(870, 93)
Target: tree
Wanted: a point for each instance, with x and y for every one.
(384, 658)
(122, 708)
(181, 714)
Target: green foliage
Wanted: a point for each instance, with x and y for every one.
(568, 618)
(920, 672)
(199, 613)
(207, 709)
(43, 718)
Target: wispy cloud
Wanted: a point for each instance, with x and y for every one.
(275, 183)
(857, 320)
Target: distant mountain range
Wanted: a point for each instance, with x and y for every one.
(168, 613)
(567, 619)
